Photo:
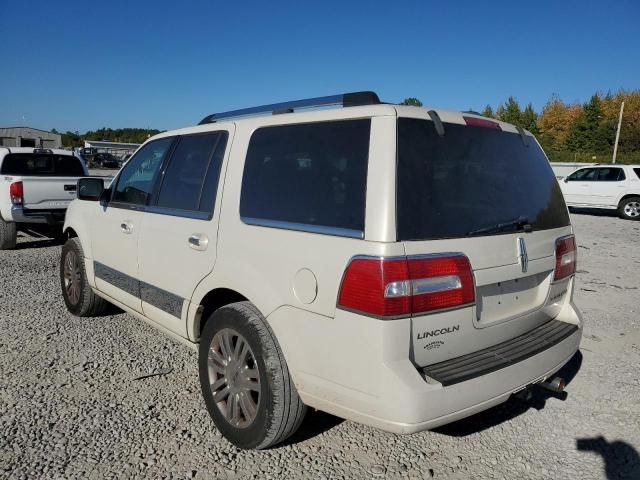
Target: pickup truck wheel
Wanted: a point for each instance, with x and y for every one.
(245, 380)
(8, 235)
(629, 208)
(78, 295)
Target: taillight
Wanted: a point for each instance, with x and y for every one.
(402, 286)
(566, 257)
(481, 122)
(16, 192)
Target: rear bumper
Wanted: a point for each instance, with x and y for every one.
(49, 217)
(366, 376)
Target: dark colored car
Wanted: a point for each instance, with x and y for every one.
(105, 160)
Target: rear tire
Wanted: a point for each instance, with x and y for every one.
(8, 235)
(629, 208)
(256, 404)
(78, 295)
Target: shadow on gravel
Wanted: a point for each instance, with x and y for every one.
(39, 243)
(315, 423)
(596, 212)
(513, 407)
(621, 460)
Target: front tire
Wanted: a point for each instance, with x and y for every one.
(629, 208)
(245, 380)
(76, 291)
(8, 235)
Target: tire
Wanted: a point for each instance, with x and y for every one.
(78, 295)
(629, 208)
(8, 235)
(267, 407)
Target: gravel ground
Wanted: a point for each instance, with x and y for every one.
(75, 402)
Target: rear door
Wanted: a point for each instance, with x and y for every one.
(608, 187)
(177, 245)
(492, 196)
(115, 226)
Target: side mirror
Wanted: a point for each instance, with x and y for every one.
(566, 180)
(90, 189)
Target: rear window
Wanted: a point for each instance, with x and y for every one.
(472, 181)
(637, 170)
(308, 177)
(42, 164)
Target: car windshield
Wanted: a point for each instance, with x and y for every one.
(472, 181)
(41, 164)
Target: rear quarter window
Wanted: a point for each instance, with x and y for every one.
(41, 164)
(308, 176)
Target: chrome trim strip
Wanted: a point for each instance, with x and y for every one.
(303, 227)
(175, 212)
(444, 283)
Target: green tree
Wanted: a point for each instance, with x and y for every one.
(413, 101)
(510, 112)
(589, 133)
(529, 119)
(488, 112)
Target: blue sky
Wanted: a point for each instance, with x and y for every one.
(73, 65)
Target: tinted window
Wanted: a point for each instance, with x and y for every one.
(42, 164)
(610, 174)
(469, 181)
(137, 178)
(191, 178)
(637, 170)
(310, 174)
(584, 175)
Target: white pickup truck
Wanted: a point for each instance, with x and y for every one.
(36, 186)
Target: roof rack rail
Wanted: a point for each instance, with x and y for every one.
(345, 99)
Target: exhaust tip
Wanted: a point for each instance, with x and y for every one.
(555, 384)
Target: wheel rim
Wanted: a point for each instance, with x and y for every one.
(632, 209)
(234, 378)
(72, 277)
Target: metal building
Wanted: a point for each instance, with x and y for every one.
(115, 148)
(29, 137)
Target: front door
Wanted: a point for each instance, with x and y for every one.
(177, 245)
(577, 186)
(116, 227)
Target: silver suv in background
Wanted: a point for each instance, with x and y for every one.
(397, 266)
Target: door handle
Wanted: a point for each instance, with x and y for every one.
(126, 227)
(198, 241)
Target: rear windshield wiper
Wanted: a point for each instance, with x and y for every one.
(519, 223)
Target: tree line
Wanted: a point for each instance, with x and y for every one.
(577, 132)
(123, 135)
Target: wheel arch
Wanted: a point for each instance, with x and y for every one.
(626, 196)
(212, 301)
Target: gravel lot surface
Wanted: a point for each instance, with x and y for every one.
(77, 401)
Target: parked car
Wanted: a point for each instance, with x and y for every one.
(105, 160)
(612, 187)
(397, 266)
(36, 186)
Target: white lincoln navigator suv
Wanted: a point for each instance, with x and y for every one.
(397, 266)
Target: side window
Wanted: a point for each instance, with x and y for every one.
(611, 174)
(136, 181)
(584, 175)
(637, 171)
(191, 178)
(312, 175)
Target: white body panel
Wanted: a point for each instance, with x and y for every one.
(348, 364)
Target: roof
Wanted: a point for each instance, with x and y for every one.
(30, 128)
(57, 151)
